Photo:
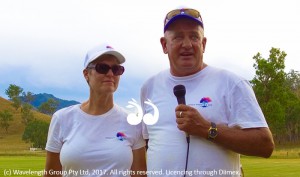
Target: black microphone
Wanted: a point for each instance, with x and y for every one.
(179, 92)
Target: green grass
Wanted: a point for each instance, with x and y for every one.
(259, 167)
(9, 165)
(252, 166)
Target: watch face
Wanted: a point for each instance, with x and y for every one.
(213, 133)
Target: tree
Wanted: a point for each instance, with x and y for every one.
(269, 87)
(293, 81)
(36, 133)
(5, 118)
(16, 102)
(270, 76)
(13, 92)
(293, 108)
(28, 97)
(48, 107)
(26, 113)
(276, 93)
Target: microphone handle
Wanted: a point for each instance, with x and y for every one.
(181, 100)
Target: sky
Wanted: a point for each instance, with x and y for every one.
(43, 42)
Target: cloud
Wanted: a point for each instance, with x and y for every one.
(43, 43)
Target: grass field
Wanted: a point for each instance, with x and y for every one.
(9, 165)
(253, 167)
(274, 167)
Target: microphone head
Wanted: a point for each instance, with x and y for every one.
(179, 91)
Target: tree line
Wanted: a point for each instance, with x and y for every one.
(277, 92)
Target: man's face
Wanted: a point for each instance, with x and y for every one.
(184, 42)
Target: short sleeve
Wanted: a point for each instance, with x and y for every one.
(145, 131)
(139, 141)
(54, 140)
(245, 111)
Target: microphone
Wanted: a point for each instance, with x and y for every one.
(179, 92)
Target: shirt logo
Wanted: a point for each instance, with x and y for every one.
(205, 102)
(121, 136)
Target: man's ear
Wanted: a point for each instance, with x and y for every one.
(204, 40)
(163, 43)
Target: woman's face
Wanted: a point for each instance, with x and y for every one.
(102, 83)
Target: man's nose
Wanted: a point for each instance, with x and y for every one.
(186, 43)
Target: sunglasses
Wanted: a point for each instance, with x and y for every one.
(190, 12)
(104, 68)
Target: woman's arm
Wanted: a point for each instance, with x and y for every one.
(139, 163)
(52, 164)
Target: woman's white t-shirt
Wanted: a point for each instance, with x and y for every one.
(93, 145)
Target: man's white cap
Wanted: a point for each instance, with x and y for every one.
(100, 50)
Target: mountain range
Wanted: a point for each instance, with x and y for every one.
(40, 98)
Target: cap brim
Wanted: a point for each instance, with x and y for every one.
(181, 16)
(118, 55)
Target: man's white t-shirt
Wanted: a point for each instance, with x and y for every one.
(93, 145)
(221, 97)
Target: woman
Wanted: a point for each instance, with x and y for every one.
(94, 138)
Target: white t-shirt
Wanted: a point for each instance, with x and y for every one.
(221, 97)
(93, 145)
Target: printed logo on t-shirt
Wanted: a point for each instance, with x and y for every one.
(205, 102)
(121, 136)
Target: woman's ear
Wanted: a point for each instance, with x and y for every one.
(86, 75)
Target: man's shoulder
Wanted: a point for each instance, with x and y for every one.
(159, 76)
(225, 74)
(154, 80)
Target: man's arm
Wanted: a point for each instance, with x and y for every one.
(250, 141)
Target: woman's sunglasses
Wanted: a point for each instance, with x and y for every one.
(104, 68)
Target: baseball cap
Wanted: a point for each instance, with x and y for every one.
(100, 50)
(182, 13)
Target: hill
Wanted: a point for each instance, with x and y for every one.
(11, 142)
(38, 99)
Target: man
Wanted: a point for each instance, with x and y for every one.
(221, 115)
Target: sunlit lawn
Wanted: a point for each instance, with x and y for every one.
(253, 167)
(270, 167)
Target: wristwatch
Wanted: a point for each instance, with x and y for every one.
(212, 131)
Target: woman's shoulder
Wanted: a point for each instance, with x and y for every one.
(66, 112)
(120, 110)
(68, 109)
